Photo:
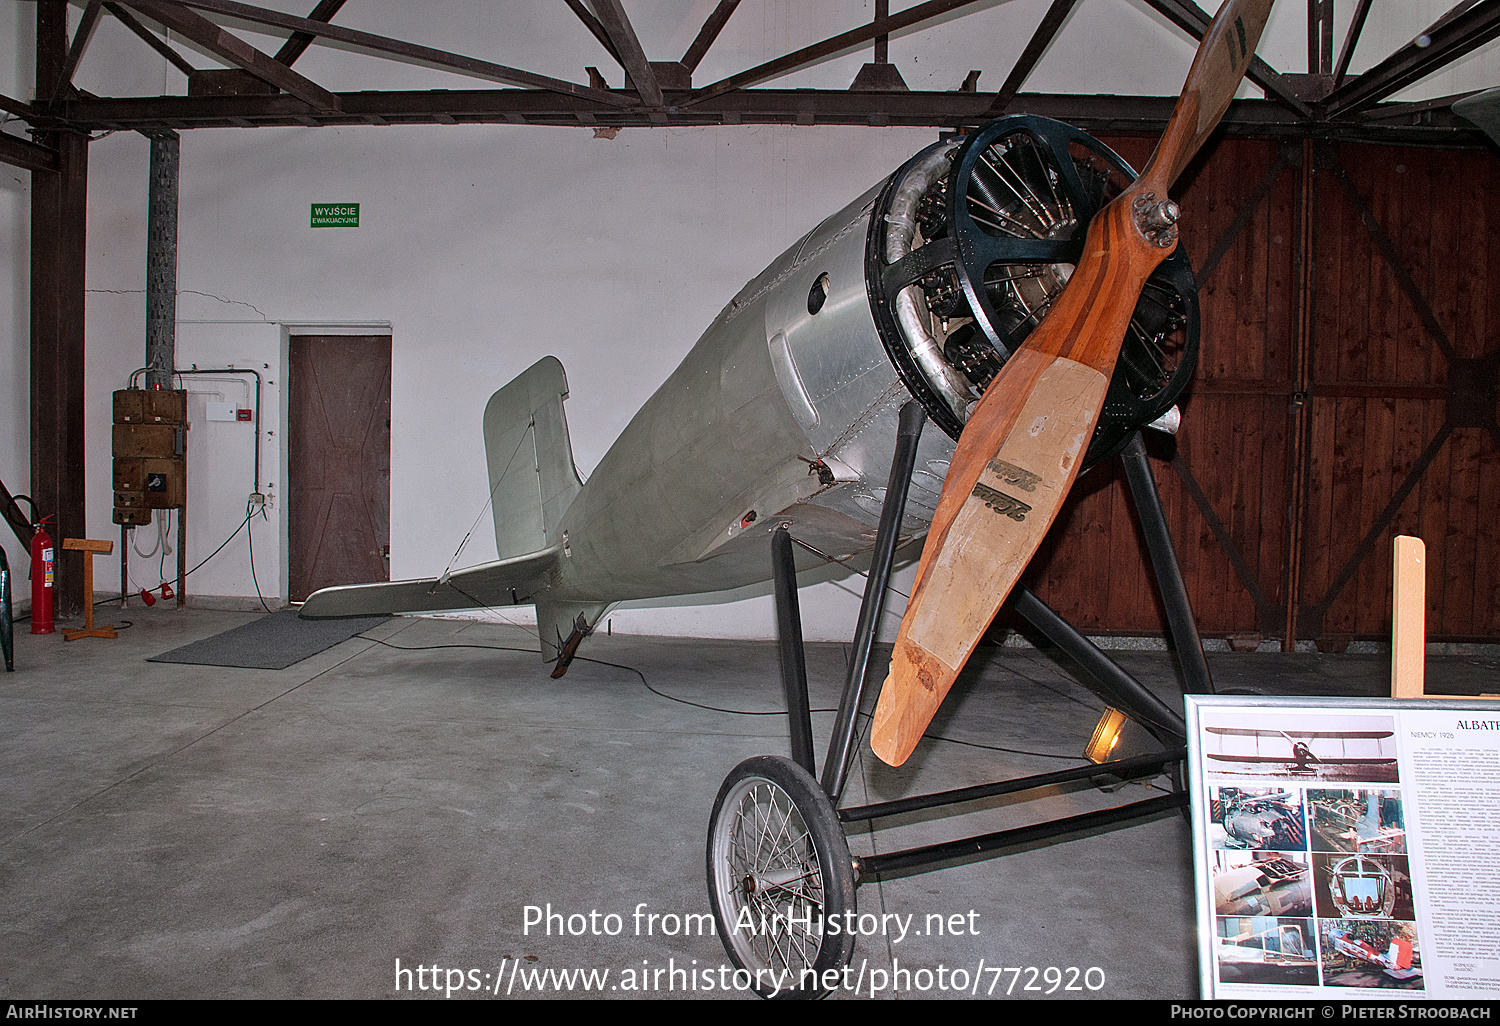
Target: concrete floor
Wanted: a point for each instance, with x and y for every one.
(188, 831)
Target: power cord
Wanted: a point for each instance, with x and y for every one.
(713, 708)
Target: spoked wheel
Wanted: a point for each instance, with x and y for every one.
(779, 873)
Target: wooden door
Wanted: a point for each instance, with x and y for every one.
(339, 461)
(1348, 390)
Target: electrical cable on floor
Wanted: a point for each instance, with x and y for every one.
(162, 570)
(683, 701)
(713, 708)
(424, 648)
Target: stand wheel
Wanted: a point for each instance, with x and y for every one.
(779, 874)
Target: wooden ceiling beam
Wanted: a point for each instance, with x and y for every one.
(707, 34)
(129, 21)
(81, 36)
(595, 29)
(1356, 26)
(387, 46)
(798, 59)
(297, 44)
(28, 155)
(231, 48)
(25, 111)
(937, 109)
(1040, 40)
(1193, 20)
(632, 58)
(1457, 33)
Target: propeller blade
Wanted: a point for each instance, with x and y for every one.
(1222, 60)
(1024, 441)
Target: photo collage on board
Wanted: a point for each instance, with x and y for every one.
(1311, 880)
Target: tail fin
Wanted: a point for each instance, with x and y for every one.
(532, 477)
(1400, 953)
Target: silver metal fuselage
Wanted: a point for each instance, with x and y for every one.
(683, 501)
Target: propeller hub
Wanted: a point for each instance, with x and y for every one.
(1156, 219)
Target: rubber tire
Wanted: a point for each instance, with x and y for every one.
(830, 854)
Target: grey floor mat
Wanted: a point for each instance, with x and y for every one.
(273, 642)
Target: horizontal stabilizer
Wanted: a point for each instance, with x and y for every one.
(507, 582)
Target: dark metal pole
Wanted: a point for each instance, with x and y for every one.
(182, 552)
(59, 222)
(836, 766)
(161, 260)
(1109, 681)
(7, 624)
(1164, 564)
(789, 640)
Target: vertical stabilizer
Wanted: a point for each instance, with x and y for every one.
(532, 477)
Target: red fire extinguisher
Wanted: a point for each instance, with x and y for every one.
(42, 563)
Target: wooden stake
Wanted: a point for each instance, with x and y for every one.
(1409, 622)
(1409, 618)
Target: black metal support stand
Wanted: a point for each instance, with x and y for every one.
(1099, 673)
(1104, 677)
(7, 624)
(793, 654)
(1164, 565)
(840, 745)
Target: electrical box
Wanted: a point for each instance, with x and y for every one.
(150, 406)
(150, 453)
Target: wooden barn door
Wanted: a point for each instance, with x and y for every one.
(1402, 432)
(339, 461)
(1346, 392)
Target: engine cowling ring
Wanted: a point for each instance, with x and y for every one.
(998, 235)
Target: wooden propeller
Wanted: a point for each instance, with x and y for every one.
(1025, 439)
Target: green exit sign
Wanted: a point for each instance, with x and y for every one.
(335, 215)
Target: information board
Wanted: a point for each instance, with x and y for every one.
(1346, 847)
